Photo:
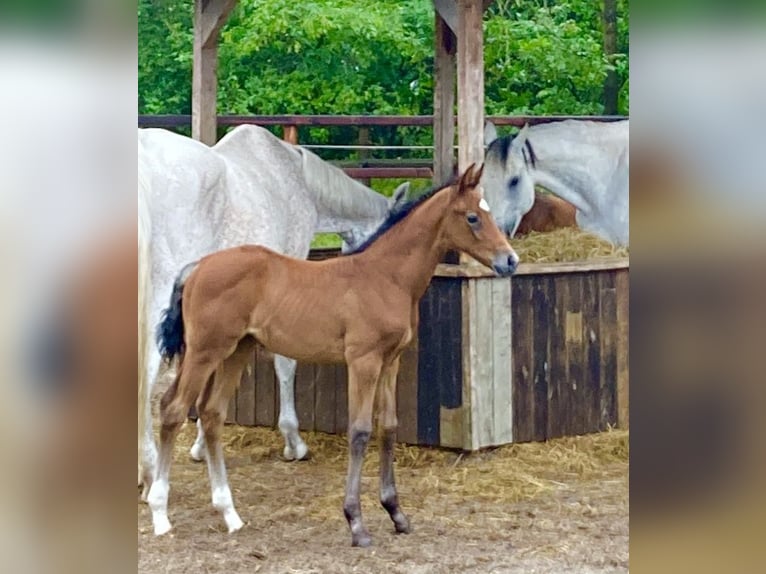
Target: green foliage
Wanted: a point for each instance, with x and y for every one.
(376, 57)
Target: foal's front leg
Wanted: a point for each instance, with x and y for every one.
(387, 423)
(363, 377)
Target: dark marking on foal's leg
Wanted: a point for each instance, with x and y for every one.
(388, 495)
(352, 508)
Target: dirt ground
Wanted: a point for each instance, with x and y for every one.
(558, 507)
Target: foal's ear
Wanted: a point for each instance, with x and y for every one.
(470, 177)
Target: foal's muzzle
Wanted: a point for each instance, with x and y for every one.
(505, 263)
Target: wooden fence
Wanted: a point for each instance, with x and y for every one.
(363, 167)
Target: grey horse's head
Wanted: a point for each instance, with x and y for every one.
(358, 234)
(507, 181)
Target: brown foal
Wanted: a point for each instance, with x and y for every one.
(361, 309)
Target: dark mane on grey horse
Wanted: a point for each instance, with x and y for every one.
(397, 215)
(502, 145)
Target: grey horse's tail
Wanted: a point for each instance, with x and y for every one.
(170, 331)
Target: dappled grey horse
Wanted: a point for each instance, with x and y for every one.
(582, 162)
(250, 188)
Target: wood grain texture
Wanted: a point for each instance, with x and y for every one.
(304, 396)
(266, 412)
(245, 414)
(444, 101)
(591, 403)
(575, 350)
(541, 363)
(407, 394)
(622, 285)
(502, 362)
(522, 316)
(324, 398)
(609, 328)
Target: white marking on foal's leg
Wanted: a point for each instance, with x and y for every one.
(219, 486)
(295, 448)
(198, 450)
(158, 502)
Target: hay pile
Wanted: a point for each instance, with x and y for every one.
(563, 245)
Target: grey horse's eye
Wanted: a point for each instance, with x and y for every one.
(472, 218)
(514, 181)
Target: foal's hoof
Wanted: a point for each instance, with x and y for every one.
(361, 540)
(403, 527)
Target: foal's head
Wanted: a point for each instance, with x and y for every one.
(507, 180)
(470, 227)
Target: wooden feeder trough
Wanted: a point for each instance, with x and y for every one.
(541, 355)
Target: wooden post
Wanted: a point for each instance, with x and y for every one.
(611, 85)
(470, 83)
(209, 17)
(290, 134)
(444, 101)
(364, 140)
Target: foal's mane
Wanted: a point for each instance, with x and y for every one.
(502, 146)
(397, 215)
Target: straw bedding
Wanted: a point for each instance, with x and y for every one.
(535, 507)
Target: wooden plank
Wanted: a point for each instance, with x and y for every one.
(541, 372)
(290, 134)
(447, 11)
(407, 394)
(231, 412)
(214, 14)
(559, 414)
(591, 338)
(622, 284)
(575, 350)
(246, 396)
(609, 328)
(470, 83)
(468, 337)
(429, 346)
(304, 395)
(266, 413)
(474, 269)
(389, 172)
(208, 18)
(470, 86)
(449, 325)
(523, 361)
(182, 120)
(501, 361)
(341, 398)
(445, 45)
(482, 370)
(324, 398)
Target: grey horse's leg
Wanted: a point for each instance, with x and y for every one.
(295, 448)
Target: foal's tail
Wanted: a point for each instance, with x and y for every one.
(170, 331)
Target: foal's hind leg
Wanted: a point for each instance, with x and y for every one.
(212, 412)
(191, 378)
(387, 423)
(295, 448)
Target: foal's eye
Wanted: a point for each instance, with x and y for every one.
(472, 218)
(514, 181)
